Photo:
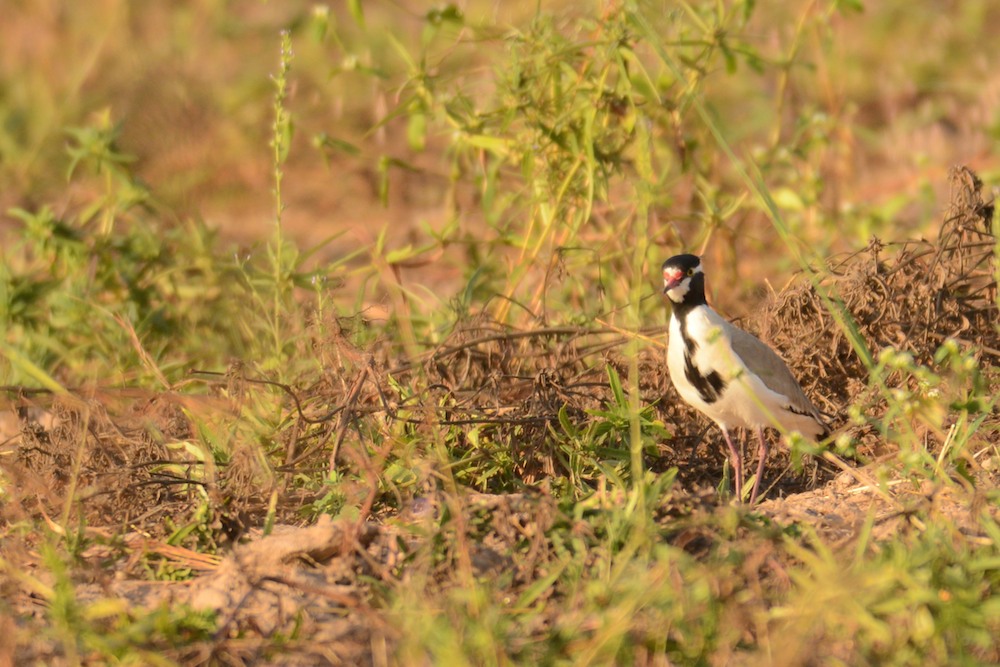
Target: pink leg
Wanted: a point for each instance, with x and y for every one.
(734, 455)
(762, 453)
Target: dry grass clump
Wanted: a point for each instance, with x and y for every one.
(488, 390)
(911, 295)
(467, 463)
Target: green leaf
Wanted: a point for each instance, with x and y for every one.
(319, 22)
(30, 369)
(469, 291)
(616, 388)
(494, 145)
(532, 592)
(447, 14)
(416, 131)
(323, 140)
(788, 199)
(567, 425)
(400, 254)
(357, 13)
(383, 180)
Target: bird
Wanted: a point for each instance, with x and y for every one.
(727, 374)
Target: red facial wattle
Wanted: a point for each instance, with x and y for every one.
(671, 279)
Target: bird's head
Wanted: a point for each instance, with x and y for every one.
(678, 273)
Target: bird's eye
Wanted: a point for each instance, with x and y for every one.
(690, 272)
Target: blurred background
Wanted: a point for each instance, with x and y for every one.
(853, 112)
(397, 263)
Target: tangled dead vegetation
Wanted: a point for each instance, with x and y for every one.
(487, 387)
(485, 393)
(912, 296)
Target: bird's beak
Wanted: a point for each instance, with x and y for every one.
(671, 279)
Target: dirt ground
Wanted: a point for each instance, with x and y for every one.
(318, 577)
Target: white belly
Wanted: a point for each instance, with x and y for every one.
(744, 402)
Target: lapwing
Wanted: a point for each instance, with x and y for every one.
(728, 374)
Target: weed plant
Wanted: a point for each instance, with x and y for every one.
(577, 148)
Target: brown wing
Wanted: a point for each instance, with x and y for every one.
(771, 369)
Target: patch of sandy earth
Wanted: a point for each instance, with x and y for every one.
(839, 511)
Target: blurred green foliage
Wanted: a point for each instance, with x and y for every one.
(539, 160)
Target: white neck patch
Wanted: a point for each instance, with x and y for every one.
(678, 293)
